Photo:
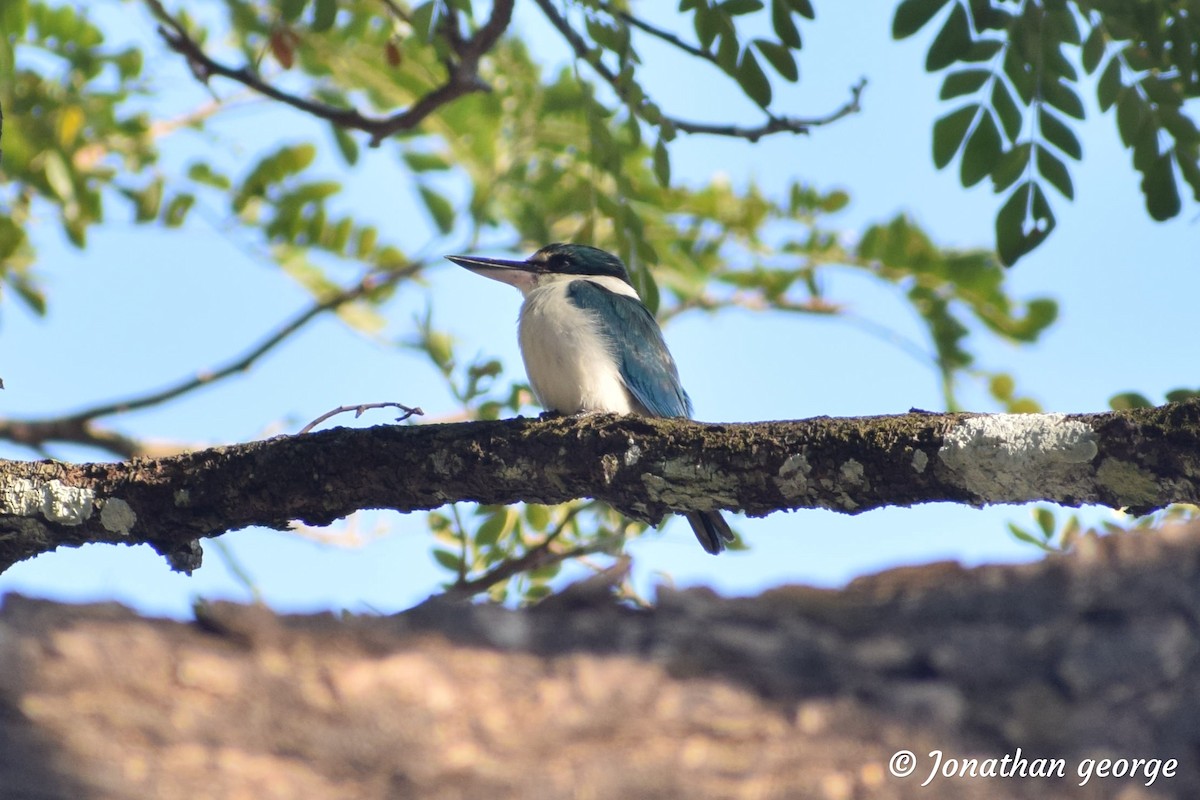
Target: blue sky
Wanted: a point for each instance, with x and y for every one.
(141, 308)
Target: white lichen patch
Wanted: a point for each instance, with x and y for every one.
(21, 497)
(117, 516)
(633, 455)
(53, 499)
(1016, 457)
(67, 505)
(183, 498)
(919, 461)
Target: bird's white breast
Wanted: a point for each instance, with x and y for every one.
(569, 362)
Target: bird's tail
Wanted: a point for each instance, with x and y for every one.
(711, 529)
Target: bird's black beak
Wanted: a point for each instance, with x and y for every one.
(520, 274)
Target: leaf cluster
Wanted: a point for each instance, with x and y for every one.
(1016, 64)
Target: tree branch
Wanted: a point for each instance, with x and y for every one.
(77, 427)
(1142, 459)
(753, 134)
(463, 76)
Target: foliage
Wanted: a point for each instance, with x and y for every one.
(502, 150)
(1051, 535)
(1016, 62)
(1126, 400)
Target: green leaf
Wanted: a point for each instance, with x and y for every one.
(1180, 126)
(611, 37)
(662, 164)
(949, 132)
(785, 28)
(1058, 134)
(1093, 49)
(14, 16)
(346, 145)
(1025, 536)
(1012, 166)
(1180, 395)
(368, 237)
(422, 20)
(1128, 400)
(29, 294)
(148, 201)
(1131, 116)
(1024, 222)
(1189, 167)
(538, 516)
(706, 24)
(965, 81)
(911, 16)
(1108, 88)
(324, 15)
(419, 161)
(727, 54)
(1055, 172)
(451, 561)
(982, 50)
(290, 10)
(1007, 110)
(1063, 97)
(753, 80)
(1020, 74)
(1002, 386)
(1060, 23)
(834, 201)
(803, 8)
(439, 208)
(1158, 185)
(780, 57)
(496, 525)
(736, 8)
(982, 151)
(1045, 520)
(951, 43)
(202, 173)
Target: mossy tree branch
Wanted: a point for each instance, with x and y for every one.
(1140, 459)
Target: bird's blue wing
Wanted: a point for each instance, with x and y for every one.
(646, 365)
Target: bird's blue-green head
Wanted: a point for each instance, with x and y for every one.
(559, 259)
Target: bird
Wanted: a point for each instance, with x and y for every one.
(591, 346)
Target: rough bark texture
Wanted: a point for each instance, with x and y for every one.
(796, 693)
(1141, 459)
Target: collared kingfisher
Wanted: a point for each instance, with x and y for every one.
(590, 345)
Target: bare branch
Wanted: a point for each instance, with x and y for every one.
(540, 555)
(463, 76)
(78, 427)
(664, 35)
(359, 410)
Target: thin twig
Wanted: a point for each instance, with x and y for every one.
(664, 35)
(537, 556)
(534, 559)
(752, 134)
(359, 410)
(78, 428)
(368, 284)
(463, 75)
